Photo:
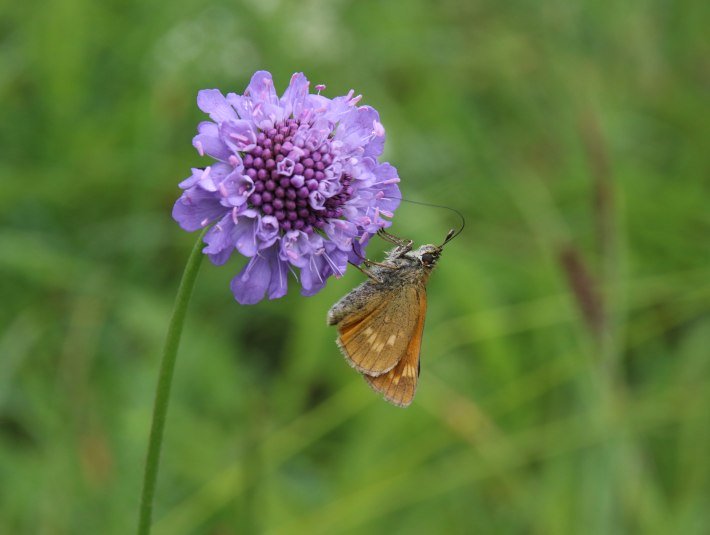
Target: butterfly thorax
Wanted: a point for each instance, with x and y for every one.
(401, 267)
(408, 267)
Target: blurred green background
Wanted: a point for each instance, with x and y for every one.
(565, 382)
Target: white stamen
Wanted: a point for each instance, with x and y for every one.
(250, 266)
(293, 272)
(282, 279)
(338, 273)
(313, 262)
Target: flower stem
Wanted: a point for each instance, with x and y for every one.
(162, 393)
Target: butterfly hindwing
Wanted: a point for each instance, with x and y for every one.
(399, 384)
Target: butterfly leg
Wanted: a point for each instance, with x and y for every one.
(367, 272)
(369, 263)
(402, 246)
(382, 233)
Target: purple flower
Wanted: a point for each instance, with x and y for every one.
(295, 185)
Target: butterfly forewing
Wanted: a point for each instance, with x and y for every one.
(399, 385)
(375, 339)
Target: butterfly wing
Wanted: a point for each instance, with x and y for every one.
(400, 383)
(374, 337)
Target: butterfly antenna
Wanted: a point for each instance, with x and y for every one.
(452, 233)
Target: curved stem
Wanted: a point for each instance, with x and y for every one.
(165, 379)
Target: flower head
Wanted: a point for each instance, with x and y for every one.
(295, 184)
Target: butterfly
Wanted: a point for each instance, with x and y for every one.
(381, 322)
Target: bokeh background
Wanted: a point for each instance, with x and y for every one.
(565, 379)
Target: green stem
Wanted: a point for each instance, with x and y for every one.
(162, 393)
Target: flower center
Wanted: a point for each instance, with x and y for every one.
(291, 181)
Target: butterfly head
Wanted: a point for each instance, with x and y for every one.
(428, 255)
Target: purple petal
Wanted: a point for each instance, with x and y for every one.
(329, 187)
(318, 132)
(244, 235)
(294, 97)
(279, 275)
(208, 178)
(239, 136)
(386, 182)
(337, 262)
(313, 276)
(235, 189)
(357, 254)
(267, 231)
(336, 109)
(243, 105)
(193, 179)
(261, 88)
(220, 241)
(212, 101)
(250, 285)
(197, 208)
(221, 172)
(264, 272)
(207, 141)
(327, 261)
(316, 199)
(264, 107)
(341, 233)
(285, 167)
(371, 123)
(295, 248)
(357, 131)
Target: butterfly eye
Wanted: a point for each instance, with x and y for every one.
(428, 259)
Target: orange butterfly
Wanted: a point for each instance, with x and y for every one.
(381, 322)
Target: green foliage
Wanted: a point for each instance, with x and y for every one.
(565, 377)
